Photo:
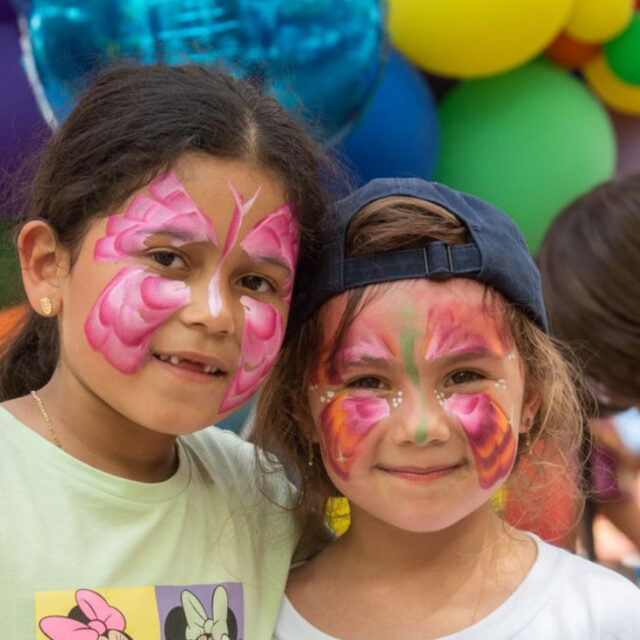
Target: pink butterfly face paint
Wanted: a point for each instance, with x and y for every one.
(489, 432)
(128, 312)
(345, 423)
(261, 339)
(427, 378)
(274, 239)
(135, 303)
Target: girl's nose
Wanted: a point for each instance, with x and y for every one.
(419, 418)
(212, 307)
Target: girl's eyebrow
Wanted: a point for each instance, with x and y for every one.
(472, 353)
(274, 260)
(363, 361)
(172, 232)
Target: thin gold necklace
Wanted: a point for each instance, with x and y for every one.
(47, 419)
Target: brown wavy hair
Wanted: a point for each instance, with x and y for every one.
(284, 423)
(590, 265)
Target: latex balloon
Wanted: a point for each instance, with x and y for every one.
(571, 53)
(528, 141)
(599, 20)
(19, 116)
(617, 94)
(398, 134)
(464, 38)
(623, 53)
(324, 55)
(6, 11)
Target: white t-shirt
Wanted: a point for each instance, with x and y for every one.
(83, 551)
(564, 597)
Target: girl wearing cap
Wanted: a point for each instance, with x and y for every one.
(416, 373)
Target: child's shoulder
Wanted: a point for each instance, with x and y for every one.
(586, 592)
(229, 461)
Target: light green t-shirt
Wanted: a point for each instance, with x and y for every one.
(204, 552)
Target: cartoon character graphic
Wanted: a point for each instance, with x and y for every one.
(92, 619)
(191, 622)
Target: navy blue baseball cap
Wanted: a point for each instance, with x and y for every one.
(496, 255)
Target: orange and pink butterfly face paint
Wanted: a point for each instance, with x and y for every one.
(137, 301)
(420, 360)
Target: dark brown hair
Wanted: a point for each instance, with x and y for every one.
(131, 124)
(590, 265)
(284, 423)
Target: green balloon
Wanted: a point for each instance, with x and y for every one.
(10, 281)
(623, 52)
(528, 141)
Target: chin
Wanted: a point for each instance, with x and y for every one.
(178, 422)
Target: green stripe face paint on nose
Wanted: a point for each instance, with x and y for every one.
(408, 340)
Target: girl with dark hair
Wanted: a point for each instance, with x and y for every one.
(590, 265)
(158, 253)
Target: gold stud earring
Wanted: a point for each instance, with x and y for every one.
(46, 306)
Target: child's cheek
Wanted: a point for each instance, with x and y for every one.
(489, 432)
(261, 339)
(125, 316)
(344, 423)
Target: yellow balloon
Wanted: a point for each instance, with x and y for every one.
(599, 20)
(619, 95)
(469, 38)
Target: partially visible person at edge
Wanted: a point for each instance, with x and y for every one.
(590, 265)
(158, 252)
(417, 371)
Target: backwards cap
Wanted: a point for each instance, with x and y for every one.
(496, 256)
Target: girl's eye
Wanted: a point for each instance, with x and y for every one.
(168, 259)
(368, 382)
(464, 377)
(257, 284)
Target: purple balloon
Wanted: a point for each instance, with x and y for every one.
(627, 130)
(6, 11)
(21, 124)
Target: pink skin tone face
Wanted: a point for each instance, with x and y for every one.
(418, 416)
(184, 295)
(135, 303)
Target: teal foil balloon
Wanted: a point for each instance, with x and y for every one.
(319, 56)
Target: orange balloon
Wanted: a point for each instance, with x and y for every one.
(10, 320)
(571, 53)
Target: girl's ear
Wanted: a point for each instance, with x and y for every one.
(529, 410)
(44, 265)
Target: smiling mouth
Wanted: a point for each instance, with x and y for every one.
(419, 473)
(190, 365)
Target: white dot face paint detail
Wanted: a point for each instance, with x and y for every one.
(396, 401)
(440, 397)
(501, 384)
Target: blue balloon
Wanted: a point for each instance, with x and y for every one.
(398, 134)
(320, 56)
